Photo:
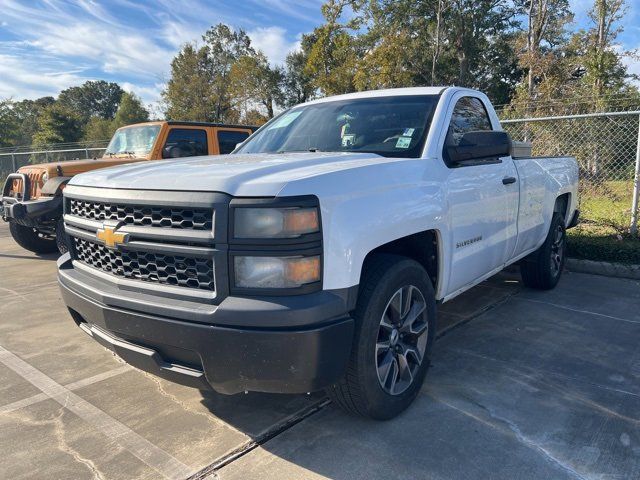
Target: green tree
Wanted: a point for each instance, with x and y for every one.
(333, 50)
(188, 95)
(130, 111)
(26, 114)
(387, 44)
(253, 81)
(199, 85)
(99, 129)
(298, 84)
(57, 124)
(604, 68)
(8, 124)
(93, 98)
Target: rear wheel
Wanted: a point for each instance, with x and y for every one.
(32, 239)
(543, 268)
(395, 328)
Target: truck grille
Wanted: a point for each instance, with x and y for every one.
(159, 268)
(143, 215)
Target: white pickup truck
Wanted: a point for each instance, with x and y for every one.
(314, 256)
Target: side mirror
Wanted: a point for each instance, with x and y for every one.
(480, 145)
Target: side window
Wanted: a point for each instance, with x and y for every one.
(468, 115)
(185, 142)
(228, 139)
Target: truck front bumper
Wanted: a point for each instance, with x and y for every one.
(230, 359)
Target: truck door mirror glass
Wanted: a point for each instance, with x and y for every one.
(479, 146)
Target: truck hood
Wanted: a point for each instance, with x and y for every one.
(74, 167)
(238, 175)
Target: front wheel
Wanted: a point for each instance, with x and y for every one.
(32, 239)
(395, 327)
(542, 269)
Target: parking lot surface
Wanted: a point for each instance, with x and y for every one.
(524, 384)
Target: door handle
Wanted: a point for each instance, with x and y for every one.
(508, 180)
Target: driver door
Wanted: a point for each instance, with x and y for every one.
(482, 210)
(185, 142)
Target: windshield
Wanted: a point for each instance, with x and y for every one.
(133, 140)
(389, 126)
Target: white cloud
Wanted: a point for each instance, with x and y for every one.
(25, 78)
(61, 44)
(273, 43)
(178, 33)
(118, 52)
(633, 67)
(150, 95)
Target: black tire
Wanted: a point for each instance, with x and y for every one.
(61, 237)
(543, 268)
(361, 390)
(31, 239)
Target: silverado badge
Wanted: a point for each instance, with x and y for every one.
(110, 237)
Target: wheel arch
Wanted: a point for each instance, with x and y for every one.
(562, 205)
(424, 247)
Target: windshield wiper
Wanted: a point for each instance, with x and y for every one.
(312, 150)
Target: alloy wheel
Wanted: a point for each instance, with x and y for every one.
(557, 251)
(402, 339)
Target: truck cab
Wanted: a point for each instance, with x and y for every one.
(32, 197)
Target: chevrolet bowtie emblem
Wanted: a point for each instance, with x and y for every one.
(110, 237)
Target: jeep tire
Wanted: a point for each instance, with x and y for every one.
(31, 239)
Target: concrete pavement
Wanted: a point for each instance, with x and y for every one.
(524, 385)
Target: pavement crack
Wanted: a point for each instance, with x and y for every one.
(184, 405)
(522, 438)
(61, 442)
(507, 427)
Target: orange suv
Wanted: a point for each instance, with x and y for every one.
(32, 197)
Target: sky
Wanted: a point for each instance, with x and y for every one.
(49, 45)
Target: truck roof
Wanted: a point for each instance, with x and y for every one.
(210, 124)
(192, 124)
(388, 92)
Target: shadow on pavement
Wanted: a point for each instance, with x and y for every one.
(529, 389)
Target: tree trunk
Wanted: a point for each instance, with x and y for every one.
(601, 11)
(436, 48)
(530, 52)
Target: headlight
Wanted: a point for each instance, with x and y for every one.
(276, 272)
(275, 222)
(45, 177)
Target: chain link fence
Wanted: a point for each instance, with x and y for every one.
(607, 147)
